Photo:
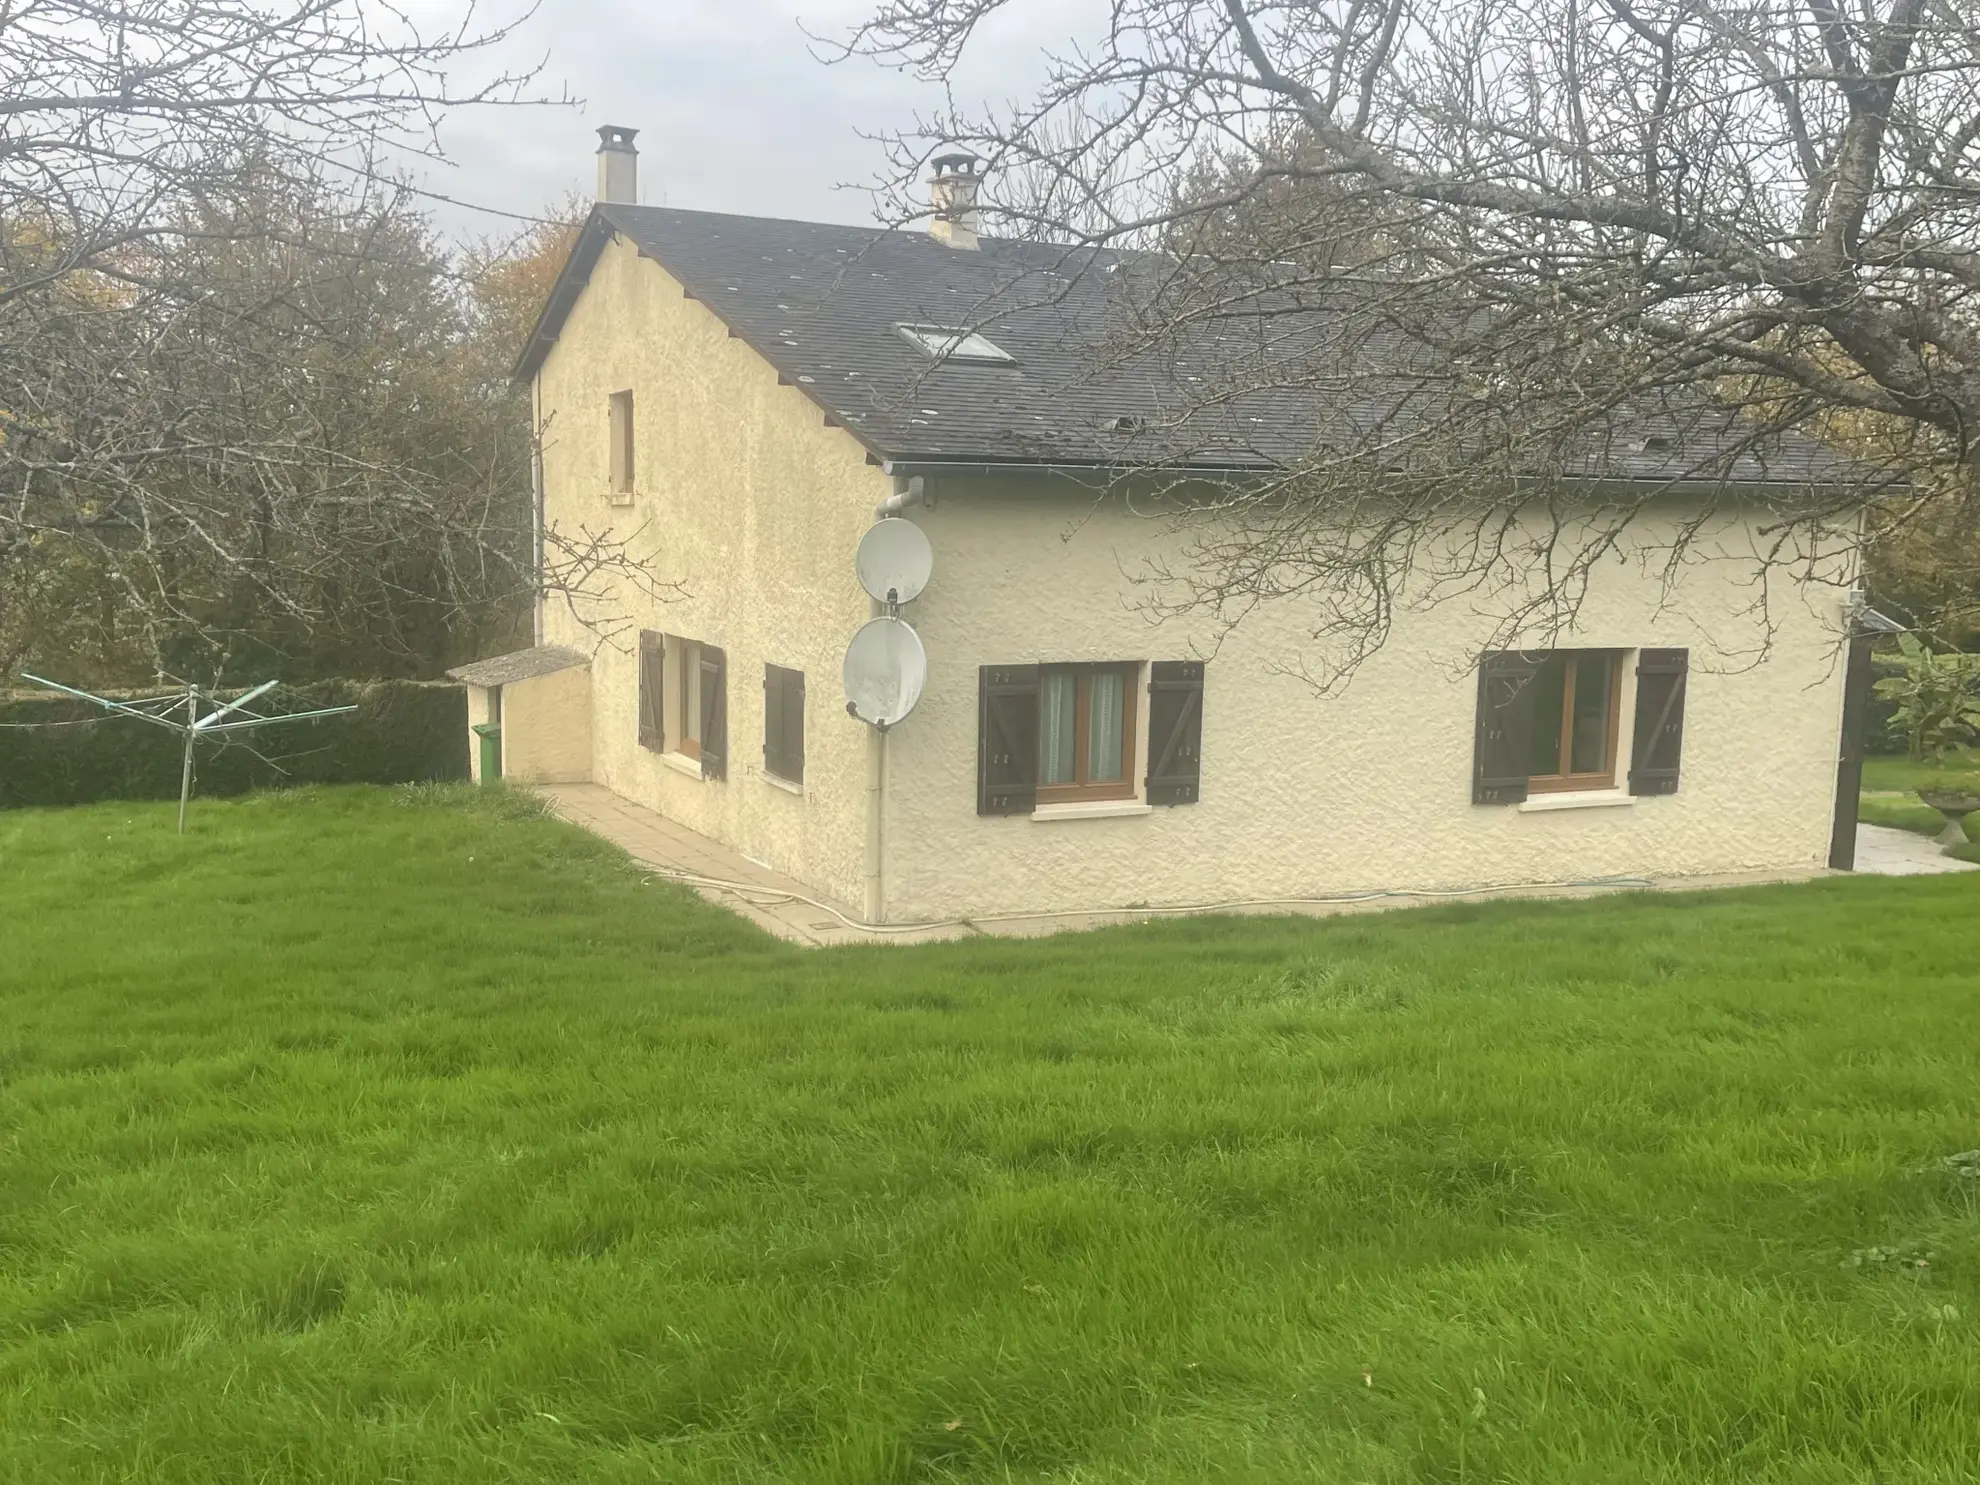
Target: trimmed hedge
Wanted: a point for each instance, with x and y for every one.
(402, 732)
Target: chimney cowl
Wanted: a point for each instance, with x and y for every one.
(618, 165)
(952, 193)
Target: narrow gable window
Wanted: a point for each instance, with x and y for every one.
(621, 434)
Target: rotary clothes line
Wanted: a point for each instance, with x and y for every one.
(163, 711)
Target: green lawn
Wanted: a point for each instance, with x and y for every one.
(1959, 769)
(355, 1138)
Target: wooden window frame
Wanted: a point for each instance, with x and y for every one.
(1567, 783)
(1082, 789)
(688, 697)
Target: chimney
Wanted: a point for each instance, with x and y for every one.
(953, 195)
(618, 166)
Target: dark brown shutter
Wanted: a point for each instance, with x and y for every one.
(794, 725)
(1502, 744)
(1006, 739)
(652, 690)
(783, 722)
(773, 720)
(1660, 678)
(1175, 731)
(714, 713)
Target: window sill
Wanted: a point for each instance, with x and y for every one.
(681, 763)
(1577, 799)
(619, 497)
(785, 784)
(1096, 809)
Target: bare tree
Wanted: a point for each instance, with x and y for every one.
(116, 113)
(244, 416)
(1563, 219)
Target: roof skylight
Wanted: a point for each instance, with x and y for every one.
(942, 343)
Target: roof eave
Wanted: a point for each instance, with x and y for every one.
(571, 280)
(907, 465)
(911, 464)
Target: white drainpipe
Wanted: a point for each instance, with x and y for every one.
(911, 491)
(536, 597)
(874, 906)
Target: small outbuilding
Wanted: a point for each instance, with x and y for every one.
(529, 715)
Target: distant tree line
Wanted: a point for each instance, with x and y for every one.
(254, 410)
(288, 446)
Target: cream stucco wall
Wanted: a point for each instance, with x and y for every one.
(747, 500)
(1310, 795)
(546, 728)
(744, 498)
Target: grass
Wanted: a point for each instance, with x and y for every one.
(369, 1137)
(1959, 769)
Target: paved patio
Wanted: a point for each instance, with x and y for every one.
(802, 915)
(1882, 851)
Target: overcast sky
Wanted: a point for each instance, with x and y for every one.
(734, 112)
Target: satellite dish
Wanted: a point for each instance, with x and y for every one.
(894, 560)
(885, 670)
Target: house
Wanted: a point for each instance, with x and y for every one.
(737, 399)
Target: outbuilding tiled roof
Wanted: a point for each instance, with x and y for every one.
(824, 305)
(521, 665)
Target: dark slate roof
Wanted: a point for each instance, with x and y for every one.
(523, 665)
(822, 304)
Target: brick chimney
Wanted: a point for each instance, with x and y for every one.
(953, 194)
(618, 165)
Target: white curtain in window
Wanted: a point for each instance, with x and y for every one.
(1103, 726)
(1056, 699)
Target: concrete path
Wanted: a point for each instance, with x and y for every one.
(802, 915)
(1882, 851)
(769, 899)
